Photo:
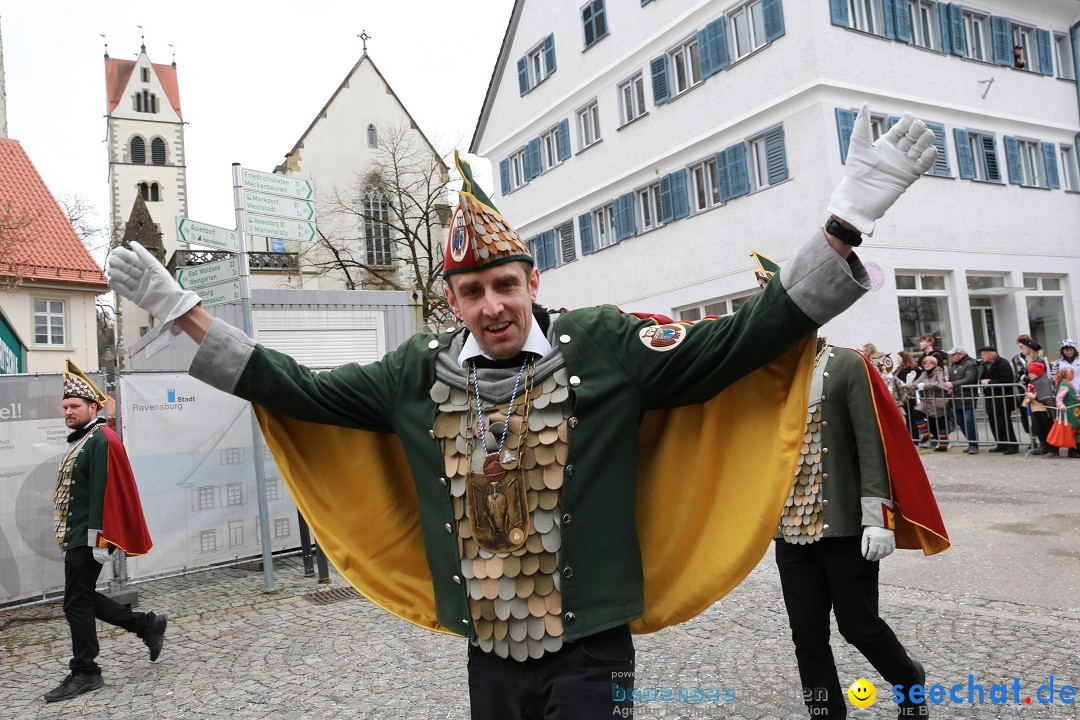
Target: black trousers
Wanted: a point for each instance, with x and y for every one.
(584, 679)
(83, 604)
(1040, 426)
(832, 574)
(998, 412)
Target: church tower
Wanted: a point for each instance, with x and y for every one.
(145, 138)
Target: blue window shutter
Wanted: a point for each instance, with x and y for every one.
(903, 26)
(1046, 59)
(838, 12)
(658, 68)
(774, 19)
(989, 157)
(536, 244)
(892, 120)
(704, 53)
(1012, 159)
(963, 153)
(731, 167)
(941, 162)
(890, 18)
(523, 76)
(533, 165)
(629, 216)
(585, 232)
(564, 139)
(680, 199)
(776, 155)
(845, 123)
(1049, 151)
(1001, 32)
(549, 248)
(715, 56)
(956, 29)
(504, 175)
(666, 212)
(644, 3)
(549, 53)
(624, 216)
(943, 26)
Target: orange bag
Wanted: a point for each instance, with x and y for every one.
(1061, 435)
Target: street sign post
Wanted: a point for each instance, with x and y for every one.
(191, 231)
(266, 204)
(220, 294)
(279, 227)
(276, 184)
(198, 276)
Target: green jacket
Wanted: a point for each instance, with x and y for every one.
(87, 491)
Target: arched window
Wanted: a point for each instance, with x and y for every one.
(145, 101)
(155, 194)
(138, 150)
(377, 229)
(144, 191)
(372, 137)
(157, 151)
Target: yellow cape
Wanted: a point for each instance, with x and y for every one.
(712, 482)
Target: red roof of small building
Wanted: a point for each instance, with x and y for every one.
(117, 73)
(45, 245)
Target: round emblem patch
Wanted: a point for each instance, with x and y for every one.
(662, 337)
(459, 239)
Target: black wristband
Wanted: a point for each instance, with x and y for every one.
(841, 233)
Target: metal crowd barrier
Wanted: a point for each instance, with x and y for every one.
(997, 415)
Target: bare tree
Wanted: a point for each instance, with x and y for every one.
(14, 230)
(387, 228)
(84, 219)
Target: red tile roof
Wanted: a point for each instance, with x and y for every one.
(117, 73)
(46, 247)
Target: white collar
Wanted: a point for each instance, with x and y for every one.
(534, 343)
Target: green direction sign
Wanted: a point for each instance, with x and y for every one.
(220, 294)
(266, 204)
(190, 231)
(276, 184)
(197, 276)
(279, 227)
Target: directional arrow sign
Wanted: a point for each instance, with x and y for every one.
(212, 295)
(279, 228)
(266, 204)
(199, 233)
(197, 276)
(276, 184)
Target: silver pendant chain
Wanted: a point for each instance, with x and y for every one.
(481, 427)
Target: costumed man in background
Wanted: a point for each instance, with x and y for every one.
(97, 510)
(522, 529)
(860, 492)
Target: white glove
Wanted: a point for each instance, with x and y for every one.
(876, 174)
(101, 555)
(138, 276)
(921, 385)
(877, 543)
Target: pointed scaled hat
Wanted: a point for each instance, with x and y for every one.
(479, 236)
(77, 385)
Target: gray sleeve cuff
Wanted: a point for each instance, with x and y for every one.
(872, 514)
(222, 356)
(822, 283)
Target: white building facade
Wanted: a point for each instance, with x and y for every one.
(645, 149)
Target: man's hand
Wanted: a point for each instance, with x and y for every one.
(138, 276)
(877, 173)
(101, 554)
(877, 543)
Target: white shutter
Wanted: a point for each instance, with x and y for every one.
(323, 338)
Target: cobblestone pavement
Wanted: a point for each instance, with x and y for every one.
(1001, 604)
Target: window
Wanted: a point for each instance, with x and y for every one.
(372, 137)
(49, 322)
(632, 98)
(703, 191)
(536, 65)
(145, 73)
(720, 307)
(155, 192)
(234, 494)
(1031, 163)
(236, 533)
(157, 151)
(686, 67)
(923, 302)
(864, 15)
(516, 171)
(977, 36)
(208, 541)
(1045, 307)
(748, 23)
(138, 150)
(923, 19)
(281, 527)
(756, 164)
(232, 456)
(564, 235)
(146, 102)
(376, 230)
(976, 155)
(589, 117)
(273, 488)
(204, 498)
(1069, 179)
(552, 151)
(604, 221)
(593, 22)
(1023, 47)
(1064, 56)
(648, 203)
(538, 69)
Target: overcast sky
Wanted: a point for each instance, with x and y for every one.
(252, 77)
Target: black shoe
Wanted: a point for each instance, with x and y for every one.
(74, 684)
(1011, 450)
(1039, 451)
(939, 448)
(909, 709)
(1073, 453)
(998, 448)
(154, 634)
(973, 450)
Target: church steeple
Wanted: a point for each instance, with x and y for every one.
(142, 229)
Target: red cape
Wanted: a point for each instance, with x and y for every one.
(122, 515)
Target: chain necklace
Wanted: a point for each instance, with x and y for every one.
(481, 427)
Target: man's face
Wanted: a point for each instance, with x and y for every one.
(988, 356)
(926, 345)
(496, 305)
(78, 412)
(956, 357)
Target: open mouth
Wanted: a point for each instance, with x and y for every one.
(497, 328)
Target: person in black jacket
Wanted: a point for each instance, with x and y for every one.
(1000, 401)
(963, 387)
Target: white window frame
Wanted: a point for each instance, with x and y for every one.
(1032, 163)
(1037, 286)
(589, 124)
(1024, 36)
(747, 28)
(517, 169)
(208, 541)
(50, 318)
(549, 149)
(977, 36)
(204, 498)
(865, 15)
(757, 163)
(282, 528)
(715, 307)
(924, 22)
(686, 56)
(536, 59)
(632, 99)
(921, 292)
(1063, 56)
(273, 485)
(378, 247)
(703, 190)
(236, 533)
(1070, 177)
(564, 243)
(648, 207)
(234, 494)
(603, 220)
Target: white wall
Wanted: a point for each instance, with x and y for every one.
(80, 326)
